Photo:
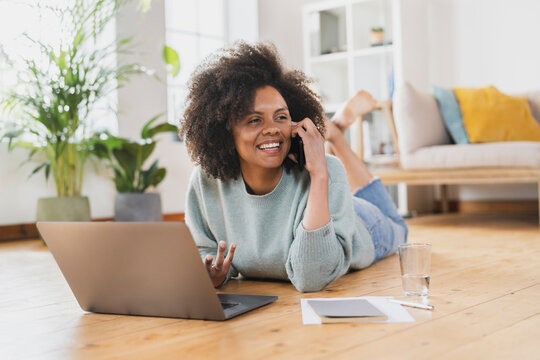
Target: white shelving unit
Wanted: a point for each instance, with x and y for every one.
(340, 56)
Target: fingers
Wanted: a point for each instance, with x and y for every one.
(299, 130)
(208, 262)
(220, 254)
(293, 158)
(230, 255)
(306, 126)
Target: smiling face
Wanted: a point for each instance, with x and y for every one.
(263, 137)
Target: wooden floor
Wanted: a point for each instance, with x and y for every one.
(485, 285)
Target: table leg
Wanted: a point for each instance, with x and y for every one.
(444, 198)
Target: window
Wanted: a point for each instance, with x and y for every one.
(42, 22)
(194, 29)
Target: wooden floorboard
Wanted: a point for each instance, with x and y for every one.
(485, 286)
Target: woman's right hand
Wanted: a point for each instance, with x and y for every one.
(218, 272)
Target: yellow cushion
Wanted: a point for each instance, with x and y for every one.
(490, 116)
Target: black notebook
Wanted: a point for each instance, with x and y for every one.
(353, 310)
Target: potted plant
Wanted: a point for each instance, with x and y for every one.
(376, 36)
(127, 158)
(54, 97)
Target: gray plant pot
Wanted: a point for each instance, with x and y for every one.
(137, 207)
(69, 208)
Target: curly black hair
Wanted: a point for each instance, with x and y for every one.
(222, 92)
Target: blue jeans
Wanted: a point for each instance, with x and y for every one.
(375, 207)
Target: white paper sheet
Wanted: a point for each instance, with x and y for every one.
(395, 312)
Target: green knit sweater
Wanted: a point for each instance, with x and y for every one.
(267, 229)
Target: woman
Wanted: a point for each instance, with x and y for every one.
(283, 222)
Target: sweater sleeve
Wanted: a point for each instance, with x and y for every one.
(318, 257)
(197, 221)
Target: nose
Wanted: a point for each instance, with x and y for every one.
(271, 131)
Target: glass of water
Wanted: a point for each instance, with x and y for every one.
(415, 262)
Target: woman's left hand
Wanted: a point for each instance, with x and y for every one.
(317, 213)
(313, 147)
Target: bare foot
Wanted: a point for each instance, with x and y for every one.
(333, 132)
(357, 106)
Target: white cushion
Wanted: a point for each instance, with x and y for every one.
(418, 120)
(515, 154)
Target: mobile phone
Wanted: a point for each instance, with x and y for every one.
(297, 149)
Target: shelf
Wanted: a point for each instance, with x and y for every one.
(327, 31)
(325, 5)
(375, 50)
(342, 55)
(368, 15)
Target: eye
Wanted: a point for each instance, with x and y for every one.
(254, 121)
(282, 117)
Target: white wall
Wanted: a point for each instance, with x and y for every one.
(242, 21)
(280, 21)
(485, 42)
(411, 60)
(475, 43)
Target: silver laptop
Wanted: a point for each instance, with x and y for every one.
(149, 269)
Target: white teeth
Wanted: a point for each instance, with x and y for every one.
(269, 146)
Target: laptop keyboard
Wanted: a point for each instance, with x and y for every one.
(227, 305)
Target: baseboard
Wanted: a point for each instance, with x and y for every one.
(490, 207)
(29, 231)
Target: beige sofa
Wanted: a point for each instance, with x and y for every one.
(427, 157)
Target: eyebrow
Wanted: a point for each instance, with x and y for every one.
(260, 113)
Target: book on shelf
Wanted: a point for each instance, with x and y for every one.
(347, 310)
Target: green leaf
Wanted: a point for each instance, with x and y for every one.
(127, 159)
(78, 39)
(172, 60)
(165, 127)
(125, 41)
(101, 145)
(47, 171)
(158, 176)
(146, 151)
(146, 176)
(100, 151)
(111, 142)
(41, 166)
(146, 127)
(122, 183)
